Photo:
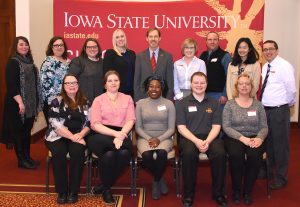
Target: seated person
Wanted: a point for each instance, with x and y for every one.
(245, 123)
(155, 125)
(199, 123)
(68, 126)
(112, 118)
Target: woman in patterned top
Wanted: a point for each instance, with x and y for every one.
(68, 128)
(245, 123)
(53, 70)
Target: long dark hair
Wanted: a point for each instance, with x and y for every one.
(49, 51)
(14, 50)
(83, 50)
(80, 98)
(252, 57)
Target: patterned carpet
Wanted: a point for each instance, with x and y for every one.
(26, 197)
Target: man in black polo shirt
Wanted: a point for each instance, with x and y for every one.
(199, 123)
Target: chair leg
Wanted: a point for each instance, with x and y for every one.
(268, 177)
(48, 159)
(180, 177)
(87, 168)
(178, 194)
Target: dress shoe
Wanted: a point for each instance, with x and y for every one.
(163, 186)
(73, 198)
(107, 196)
(248, 199)
(97, 190)
(33, 162)
(62, 198)
(236, 198)
(187, 201)
(26, 165)
(156, 190)
(277, 185)
(221, 201)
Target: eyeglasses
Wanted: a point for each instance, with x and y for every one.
(74, 83)
(189, 48)
(58, 45)
(92, 47)
(271, 49)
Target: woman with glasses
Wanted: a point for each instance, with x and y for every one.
(121, 59)
(22, 102)
(53, 70)
(88, 68)
(68, 127)
(245, 60)
(245, 124)
(112, 118)
(185, 67)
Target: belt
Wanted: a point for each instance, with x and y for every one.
(274, 107)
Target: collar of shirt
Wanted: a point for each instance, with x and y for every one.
(191, 98)
(156, 53)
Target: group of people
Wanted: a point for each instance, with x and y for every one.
(94, 103)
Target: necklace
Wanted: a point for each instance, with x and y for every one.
(114, 98)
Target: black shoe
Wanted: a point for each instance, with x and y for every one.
(236, 198)
(26, 165)
(187, 201)
(73, 198)
(277, 185)
(248, 199)
(97, 190)
(61, 198)
(33, 162)
(107, 196)
(221, 201)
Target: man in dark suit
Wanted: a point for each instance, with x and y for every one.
(153, 61)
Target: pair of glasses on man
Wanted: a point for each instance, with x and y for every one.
(74, 83)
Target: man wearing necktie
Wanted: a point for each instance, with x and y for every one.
(153, 61)
(278, 94)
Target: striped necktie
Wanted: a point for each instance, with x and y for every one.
(265, 82)
(153, 62)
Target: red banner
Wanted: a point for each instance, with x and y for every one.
(77, 20)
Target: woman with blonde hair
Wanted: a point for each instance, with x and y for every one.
(122, 60)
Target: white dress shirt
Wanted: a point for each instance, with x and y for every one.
(183, 74)
(281, 87)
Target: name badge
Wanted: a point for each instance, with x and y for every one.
(192, 108)
(161, 108)
(214, 60)
(85, 112)
(251, 113)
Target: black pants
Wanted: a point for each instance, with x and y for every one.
(59, 150)
(112, 161)
(278, 141)
(22, 139)
(155, 166)
(239, 166)
(190, 159)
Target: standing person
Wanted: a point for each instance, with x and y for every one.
(23, 101)
(245, 60)
(155, 125)
(245, 123)
(217, 61)
(53, 70)
(88, 68)
(68, 127)
(278, 93)
(185, 67)
(122, 60)
(153, 61)
(200, 135)
(112, 118)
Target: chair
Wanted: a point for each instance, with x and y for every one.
(172, 160)
(48, 159)
(93, 162)
(268, 173)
